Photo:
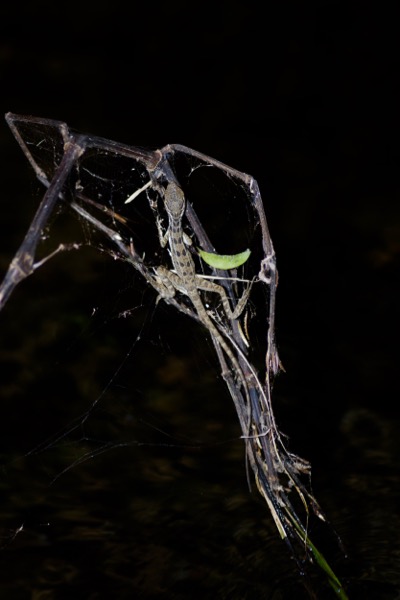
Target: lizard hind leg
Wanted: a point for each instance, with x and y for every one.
(163, 284)
(210, 286)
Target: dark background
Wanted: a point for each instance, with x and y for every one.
(304, 99)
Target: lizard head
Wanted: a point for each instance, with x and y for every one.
(174, 200)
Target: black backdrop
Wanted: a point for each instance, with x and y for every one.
(305, 99)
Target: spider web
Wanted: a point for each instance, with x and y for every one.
(117, 193)
(104, 179)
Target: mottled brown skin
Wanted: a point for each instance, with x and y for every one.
(185, 278)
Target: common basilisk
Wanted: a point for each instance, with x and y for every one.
(185, 279)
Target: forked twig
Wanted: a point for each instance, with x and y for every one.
(61, 160)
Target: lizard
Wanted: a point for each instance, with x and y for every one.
(185, 279)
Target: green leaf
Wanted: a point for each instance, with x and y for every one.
(322, 562)
(333, 580)
(224, 261)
